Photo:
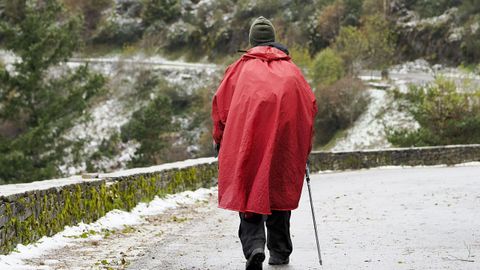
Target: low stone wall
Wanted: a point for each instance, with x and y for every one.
(44, 208)
(427, 156)
(30, 211)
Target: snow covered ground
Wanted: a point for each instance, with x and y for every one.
(369, 130)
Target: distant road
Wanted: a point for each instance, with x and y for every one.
(155, 61)
(420, 77)
(143, 61)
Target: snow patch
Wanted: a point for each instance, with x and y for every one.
(113, 220)
(11, 189)
(367, 129)
(167, 166)
(417, 66)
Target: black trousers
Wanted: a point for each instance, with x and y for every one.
(252, 233)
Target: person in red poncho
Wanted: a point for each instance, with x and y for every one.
(263, 114)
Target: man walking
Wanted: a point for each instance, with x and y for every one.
(263, 114)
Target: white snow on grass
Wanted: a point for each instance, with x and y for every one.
(107, 118)
(104, 120)
(113, 220)
(367, 129)
(368, 132)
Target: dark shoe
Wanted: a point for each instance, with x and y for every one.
(255, 260)
(278, 261)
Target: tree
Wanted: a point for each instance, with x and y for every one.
(445, 115)
(381, 42)
(91, 10)
(161, 10)
(351, 45)
(30, 96)
(353, 10)
(327, 68)
(151, 127)
(328, 23)
(370, 46)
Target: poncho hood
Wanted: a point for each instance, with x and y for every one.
(267, 53)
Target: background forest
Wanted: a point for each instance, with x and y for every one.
(101, 85)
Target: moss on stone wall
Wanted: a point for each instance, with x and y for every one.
(30, 216)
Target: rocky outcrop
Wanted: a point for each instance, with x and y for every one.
(436, 39)
(445, 39)
(123, 23)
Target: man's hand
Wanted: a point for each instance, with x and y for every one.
(216, 148)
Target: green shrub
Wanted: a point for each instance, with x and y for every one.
(373, 7)
(351, 45)
(339, 105)
(353, 11)
(445, 114)
(370, 46)
(161, 10)
(301, 57)
(327, 68)
(381, 42)
(91, 10)
(151, 127)
(432, 8)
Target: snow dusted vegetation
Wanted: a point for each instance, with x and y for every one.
(107, 117)
(368, 132)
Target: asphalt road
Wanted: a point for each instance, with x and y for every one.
(411, 218)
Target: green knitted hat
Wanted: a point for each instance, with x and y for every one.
(261, 31)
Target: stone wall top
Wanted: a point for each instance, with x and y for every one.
(405, 149)
(12, 189)
(157, 168)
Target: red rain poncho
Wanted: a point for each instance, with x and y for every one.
(263, 114)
